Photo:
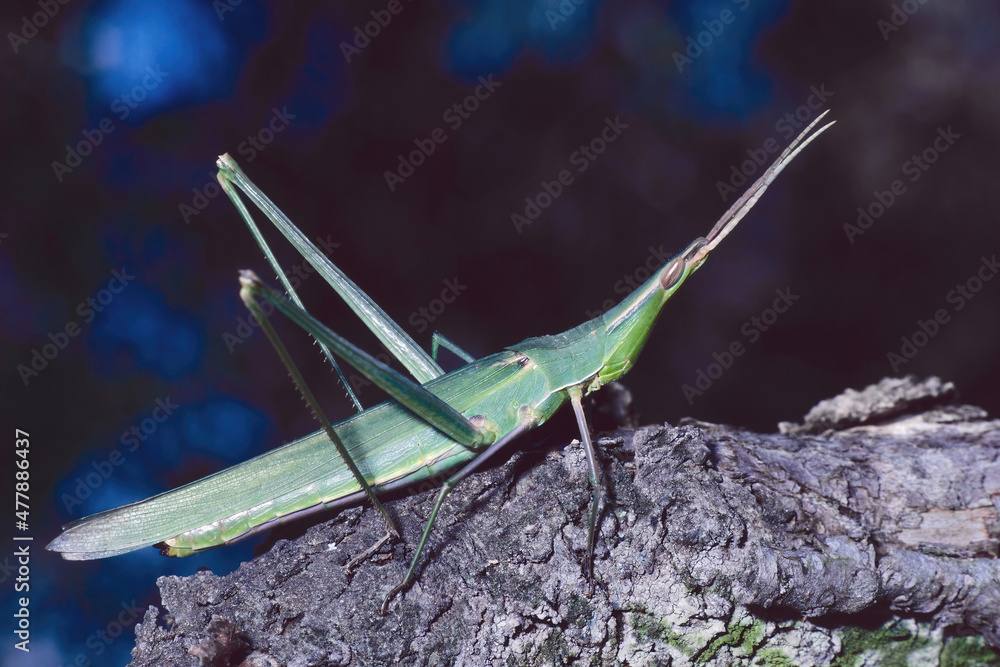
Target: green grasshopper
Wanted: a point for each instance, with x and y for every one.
(432, 424)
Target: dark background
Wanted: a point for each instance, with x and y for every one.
(224, 74)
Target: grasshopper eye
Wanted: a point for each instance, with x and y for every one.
(673, 273)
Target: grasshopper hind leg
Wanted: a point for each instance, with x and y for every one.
(249, 298)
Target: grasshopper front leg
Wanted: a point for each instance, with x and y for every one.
(576, 399)
(528, 421)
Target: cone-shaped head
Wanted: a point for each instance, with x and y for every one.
(628, 324)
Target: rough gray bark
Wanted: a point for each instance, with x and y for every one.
(717, 546)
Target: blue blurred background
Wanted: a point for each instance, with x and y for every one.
(115, 112)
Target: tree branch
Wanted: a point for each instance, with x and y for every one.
(868, 528)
